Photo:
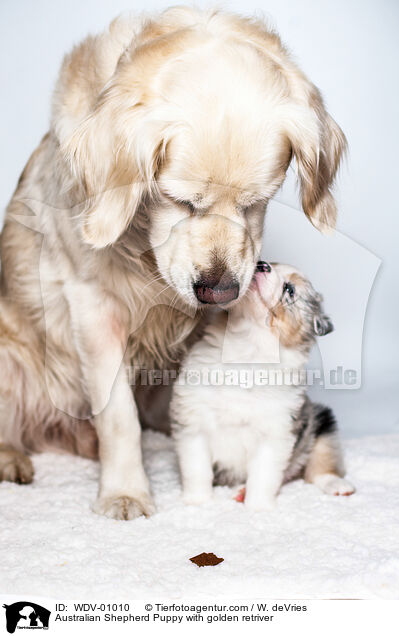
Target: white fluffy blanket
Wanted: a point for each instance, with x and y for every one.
(311, 546)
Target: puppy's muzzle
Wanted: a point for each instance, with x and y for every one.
(213, 290)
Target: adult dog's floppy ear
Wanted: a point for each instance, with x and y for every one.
(113, 139)
(318, 145)
(114, 153)
(316, 140)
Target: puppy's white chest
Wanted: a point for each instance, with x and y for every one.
(237, 421)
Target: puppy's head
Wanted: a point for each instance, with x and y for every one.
(200, 119)
(283, 297)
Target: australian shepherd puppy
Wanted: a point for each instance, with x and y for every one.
(270, 433)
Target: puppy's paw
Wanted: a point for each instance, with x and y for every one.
(334, 485)
(196, 498)
(257, 504)
(15, 466)
(124, 507)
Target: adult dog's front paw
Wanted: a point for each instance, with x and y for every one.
(15, 466)
(124, 507)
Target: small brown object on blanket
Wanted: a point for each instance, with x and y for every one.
(206, 558)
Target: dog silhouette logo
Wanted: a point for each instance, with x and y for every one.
(26, 615)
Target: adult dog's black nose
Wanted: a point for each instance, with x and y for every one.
(212, 289)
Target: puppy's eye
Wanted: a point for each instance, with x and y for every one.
(188, 204)
(289, 291)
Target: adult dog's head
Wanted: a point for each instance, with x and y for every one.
(198, 115)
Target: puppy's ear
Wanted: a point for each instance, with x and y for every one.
(318, 145)
(114, 153)
(322, 325)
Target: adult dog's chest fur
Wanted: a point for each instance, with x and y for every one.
(160, 324)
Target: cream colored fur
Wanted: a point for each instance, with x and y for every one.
(168, 136)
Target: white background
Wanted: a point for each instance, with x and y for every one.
(349, 48)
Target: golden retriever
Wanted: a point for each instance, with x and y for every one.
(142, 205)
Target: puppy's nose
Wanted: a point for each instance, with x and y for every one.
(212, 289)
(262, 266)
